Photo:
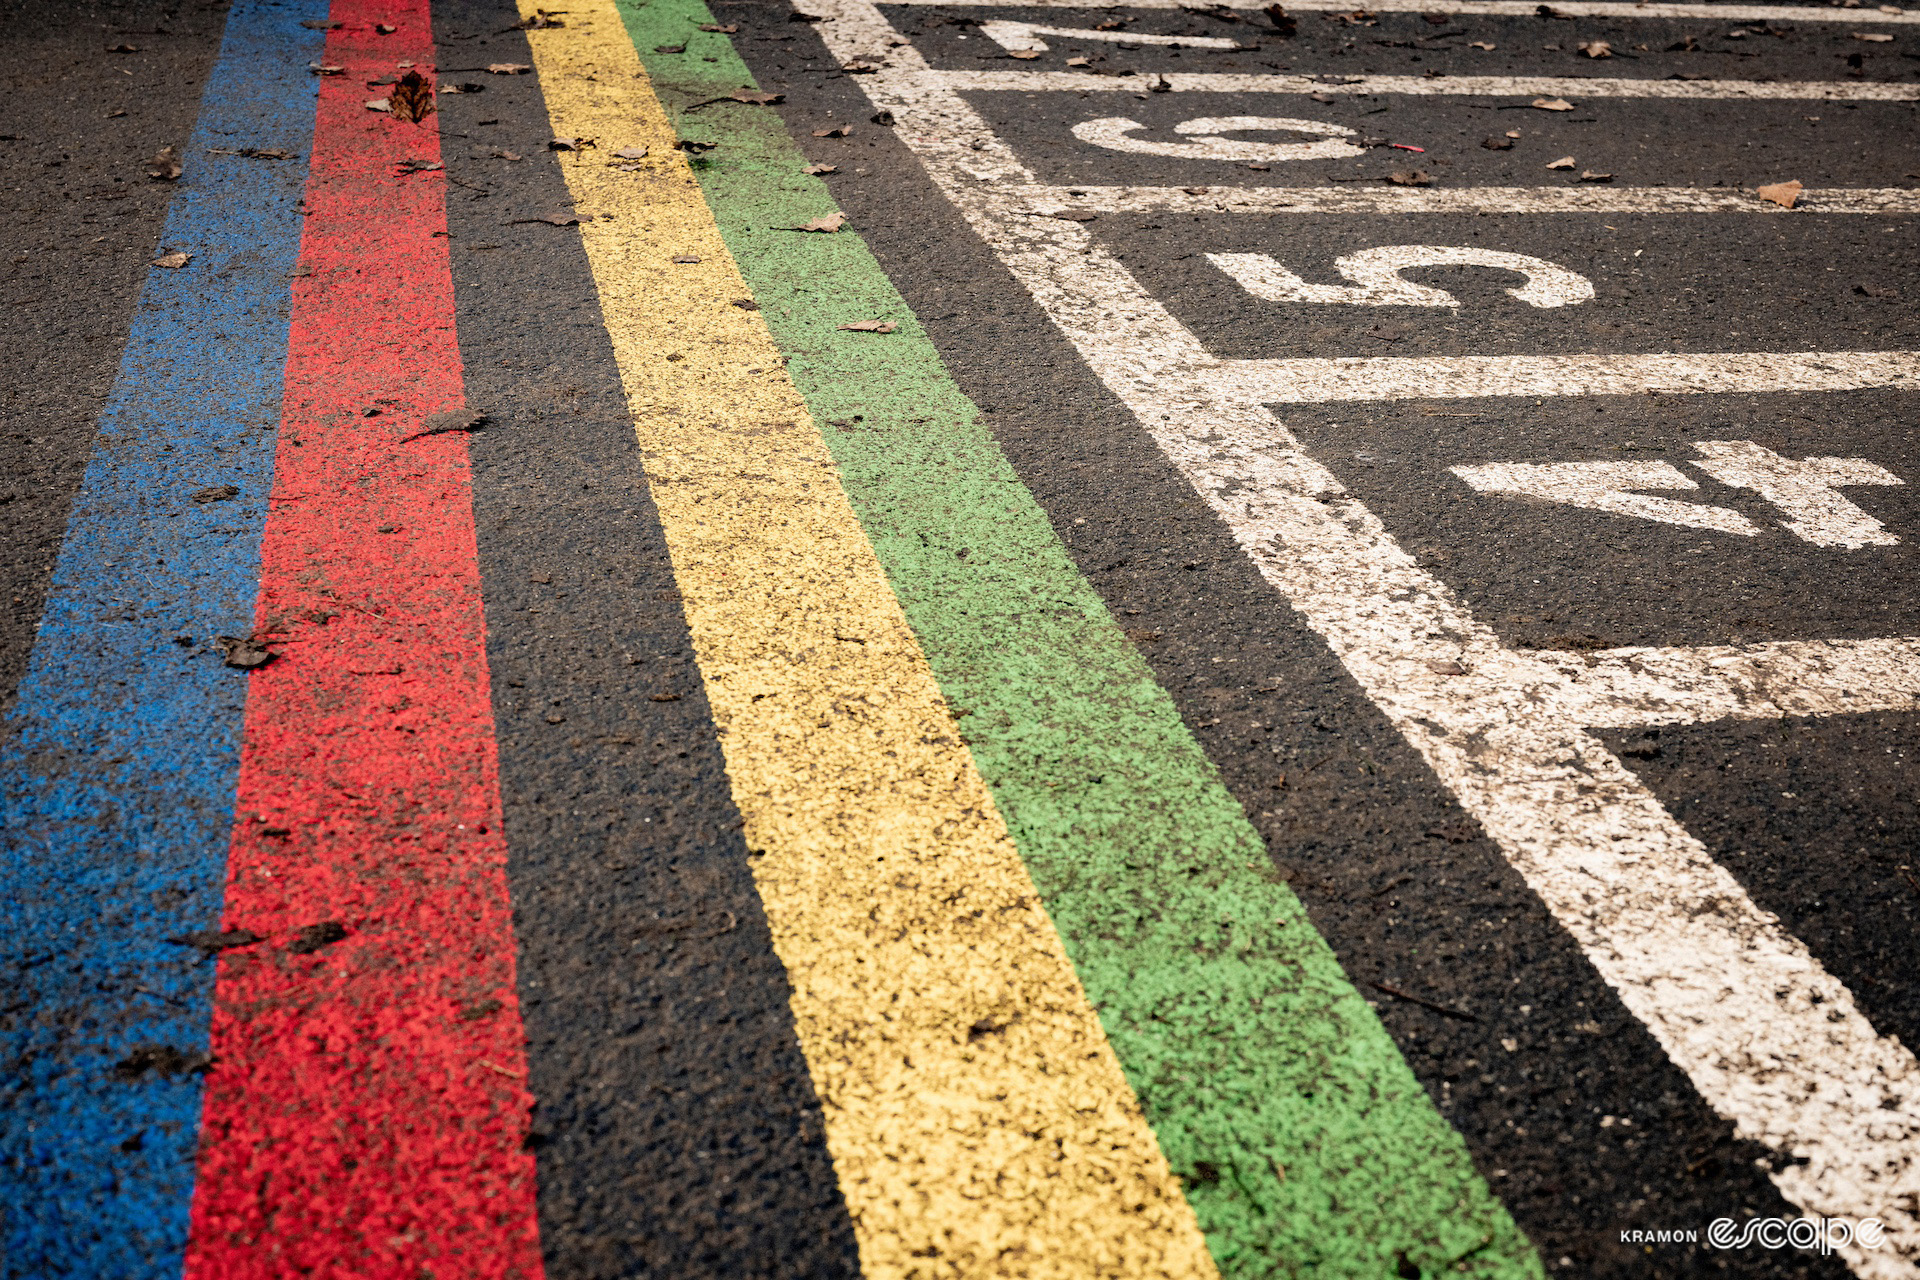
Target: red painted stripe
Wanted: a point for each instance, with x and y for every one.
(367, 1109)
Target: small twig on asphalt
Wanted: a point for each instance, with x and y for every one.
(1424, 1003)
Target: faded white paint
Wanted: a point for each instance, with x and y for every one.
(1573, 88)
(1803, 490)
(1203, 140)
(1319, 381)
(1609, 487)
(1391, 199)
(1770, 1039)
(1377, 282)
(1715, 13)
(1638, 687)
(1022, 37)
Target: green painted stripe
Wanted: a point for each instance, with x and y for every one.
(1248, 1047)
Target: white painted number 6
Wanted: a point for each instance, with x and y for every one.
(1376, 277)
(1206, 144)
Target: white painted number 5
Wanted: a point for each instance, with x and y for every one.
(1375, 274)
(1204, 142)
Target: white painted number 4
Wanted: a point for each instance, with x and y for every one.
(1803, 490)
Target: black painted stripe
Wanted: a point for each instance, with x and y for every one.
(79, 220)
(677, 1126)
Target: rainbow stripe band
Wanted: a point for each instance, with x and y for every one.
(1014, 1025)
(117, 777)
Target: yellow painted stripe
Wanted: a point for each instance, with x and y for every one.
(978, 1120)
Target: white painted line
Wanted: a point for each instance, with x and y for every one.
(1715, 13)
(1347, 378)
(1575, 89)
(1770, 1039)
(1632, 688)
(1386, 199)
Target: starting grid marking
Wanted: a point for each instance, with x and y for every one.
(1771, 1040)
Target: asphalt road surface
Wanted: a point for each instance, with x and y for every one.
(925, 640)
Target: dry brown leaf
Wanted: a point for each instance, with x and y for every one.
(631, 153)
(450, 420)
(540, 21)
(1497, 144)
(571, 144)
(1875, 291)
(1482, 44)
(164, 167)
(244, 653)
(500, 153)
(411, 100)
(1513, 133)
(384, 28)
(821, 168)
(1551, 104)
(838, 131)
(831, 223)
(509, 68)
(123, 48)
(1025, 55)
(757, 97)
(670, 48)
(1079, 62)
(321, 70)
(1781, 193)
(1410, 178)
(1873, 37)
(1596, 49)
(174, 260)
(871, 326)
(1284, 24)
(687, 258)
(379, 104)
(731, 28)
(692, 147)
(1564, 162)
(1588, 175)
(421, 166)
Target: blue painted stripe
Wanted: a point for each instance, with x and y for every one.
(118, 768)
